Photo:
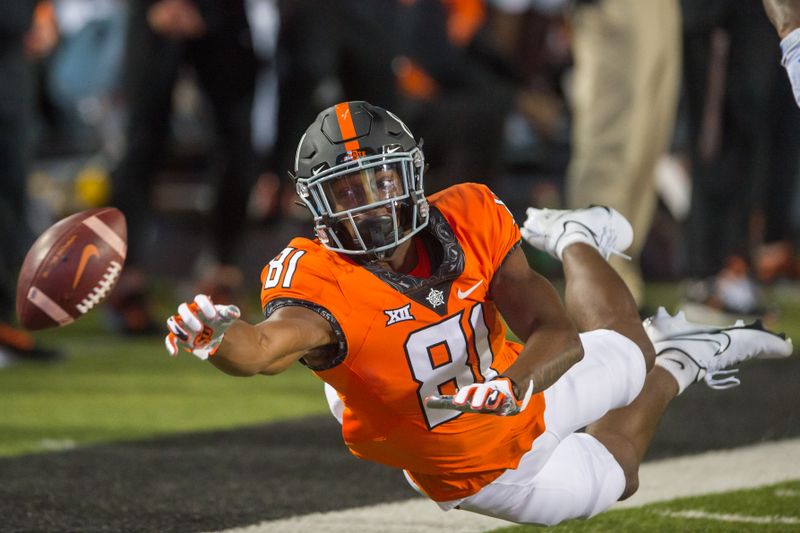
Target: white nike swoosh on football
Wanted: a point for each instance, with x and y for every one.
(464, 294)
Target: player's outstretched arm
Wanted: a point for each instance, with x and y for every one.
(271, 346)
(236, 347)
(533, 310)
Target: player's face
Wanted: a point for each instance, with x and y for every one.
(364, 187)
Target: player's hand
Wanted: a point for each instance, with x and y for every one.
(198, 327)
(491, 397)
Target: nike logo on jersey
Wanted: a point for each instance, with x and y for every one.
(399, 315)
(464, 294)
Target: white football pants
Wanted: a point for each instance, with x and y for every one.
(565, 474)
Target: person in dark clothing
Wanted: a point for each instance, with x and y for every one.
(213, 37)
(407, 55)
(785, 17)
(22, 39)
(731, 69)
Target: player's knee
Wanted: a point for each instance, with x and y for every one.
(628, 459)
(624, 453)
(634, 331)
(648, 352)
(645, 345)
(631, 484)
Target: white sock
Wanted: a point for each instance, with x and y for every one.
(680, 366)
(572, 238)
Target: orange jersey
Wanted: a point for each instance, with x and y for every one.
(402, 339)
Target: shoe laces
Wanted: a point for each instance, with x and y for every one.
(606, 244)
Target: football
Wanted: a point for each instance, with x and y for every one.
(71, 268)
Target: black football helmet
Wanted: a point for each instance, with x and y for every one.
(359, 170)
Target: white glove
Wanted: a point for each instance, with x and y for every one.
(198, 327)
(790, 46)
(493, 397)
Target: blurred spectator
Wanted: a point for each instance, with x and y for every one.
(264, 17)
(213, 37)
(23, 38)
(430, 61)
(459, 82)
(785, 17)
(776, 188)
(82, 78)
(778, 256)
(627, 57)
(329, 52)
(743, 141)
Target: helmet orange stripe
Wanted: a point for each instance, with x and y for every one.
(346, 126)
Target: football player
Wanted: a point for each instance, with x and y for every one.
(396, 305)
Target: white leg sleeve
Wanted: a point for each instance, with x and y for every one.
(610, 375)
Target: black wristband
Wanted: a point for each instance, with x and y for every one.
(514, 386)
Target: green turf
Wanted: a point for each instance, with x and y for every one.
(111, 388)
(770, 509)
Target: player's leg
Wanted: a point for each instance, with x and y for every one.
(595, 296)
(686, 353)
(577, 475)
(579, 479)
(568, 475)
(626, 432)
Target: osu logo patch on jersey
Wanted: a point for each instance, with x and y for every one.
(435, 297)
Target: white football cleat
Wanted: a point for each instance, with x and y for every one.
(552, 230)
(695, 352)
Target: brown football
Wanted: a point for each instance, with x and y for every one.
(71, 268)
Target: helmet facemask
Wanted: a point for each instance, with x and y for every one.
(369, 205)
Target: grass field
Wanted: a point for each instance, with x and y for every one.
(770, 509)
(110, 389)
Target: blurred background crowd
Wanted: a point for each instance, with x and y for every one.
(186, 114)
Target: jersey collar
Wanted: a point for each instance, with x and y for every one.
(450, 268)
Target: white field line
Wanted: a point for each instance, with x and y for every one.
(720, 471)
(724, 517)
(740, 468)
